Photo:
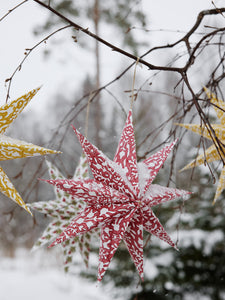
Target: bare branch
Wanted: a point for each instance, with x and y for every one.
(27, 53)
(12, 9)
(106, 43)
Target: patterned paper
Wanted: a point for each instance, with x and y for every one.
(12, 148)
(213, 153)
(62, 210)
(119, 199)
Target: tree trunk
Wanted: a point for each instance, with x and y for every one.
(98, 111)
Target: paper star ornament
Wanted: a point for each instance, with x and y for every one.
(62, 210)
(213, 153)
(119, 198)
(11, 148)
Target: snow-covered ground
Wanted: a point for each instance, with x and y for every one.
(38, 275)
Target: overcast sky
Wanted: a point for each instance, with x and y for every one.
(62, 73)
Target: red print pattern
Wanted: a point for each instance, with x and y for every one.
(119, 198)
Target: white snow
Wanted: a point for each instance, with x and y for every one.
(200, 239)
(39, 275)
(150, 269)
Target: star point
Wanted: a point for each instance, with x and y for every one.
(12, 148)
(215, 152)
(119, 199)
(62, 210)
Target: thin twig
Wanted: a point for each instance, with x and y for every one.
(27, 53)
(12, 9)
(106, 43)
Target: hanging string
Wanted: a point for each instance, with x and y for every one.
(132, 92)
(91, 96)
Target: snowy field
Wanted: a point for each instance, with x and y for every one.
(38, 275)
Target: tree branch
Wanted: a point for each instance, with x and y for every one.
(12, 9)
(106, 43)
(27, 53)
(134, 57)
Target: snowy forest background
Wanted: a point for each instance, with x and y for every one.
(163, 98)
